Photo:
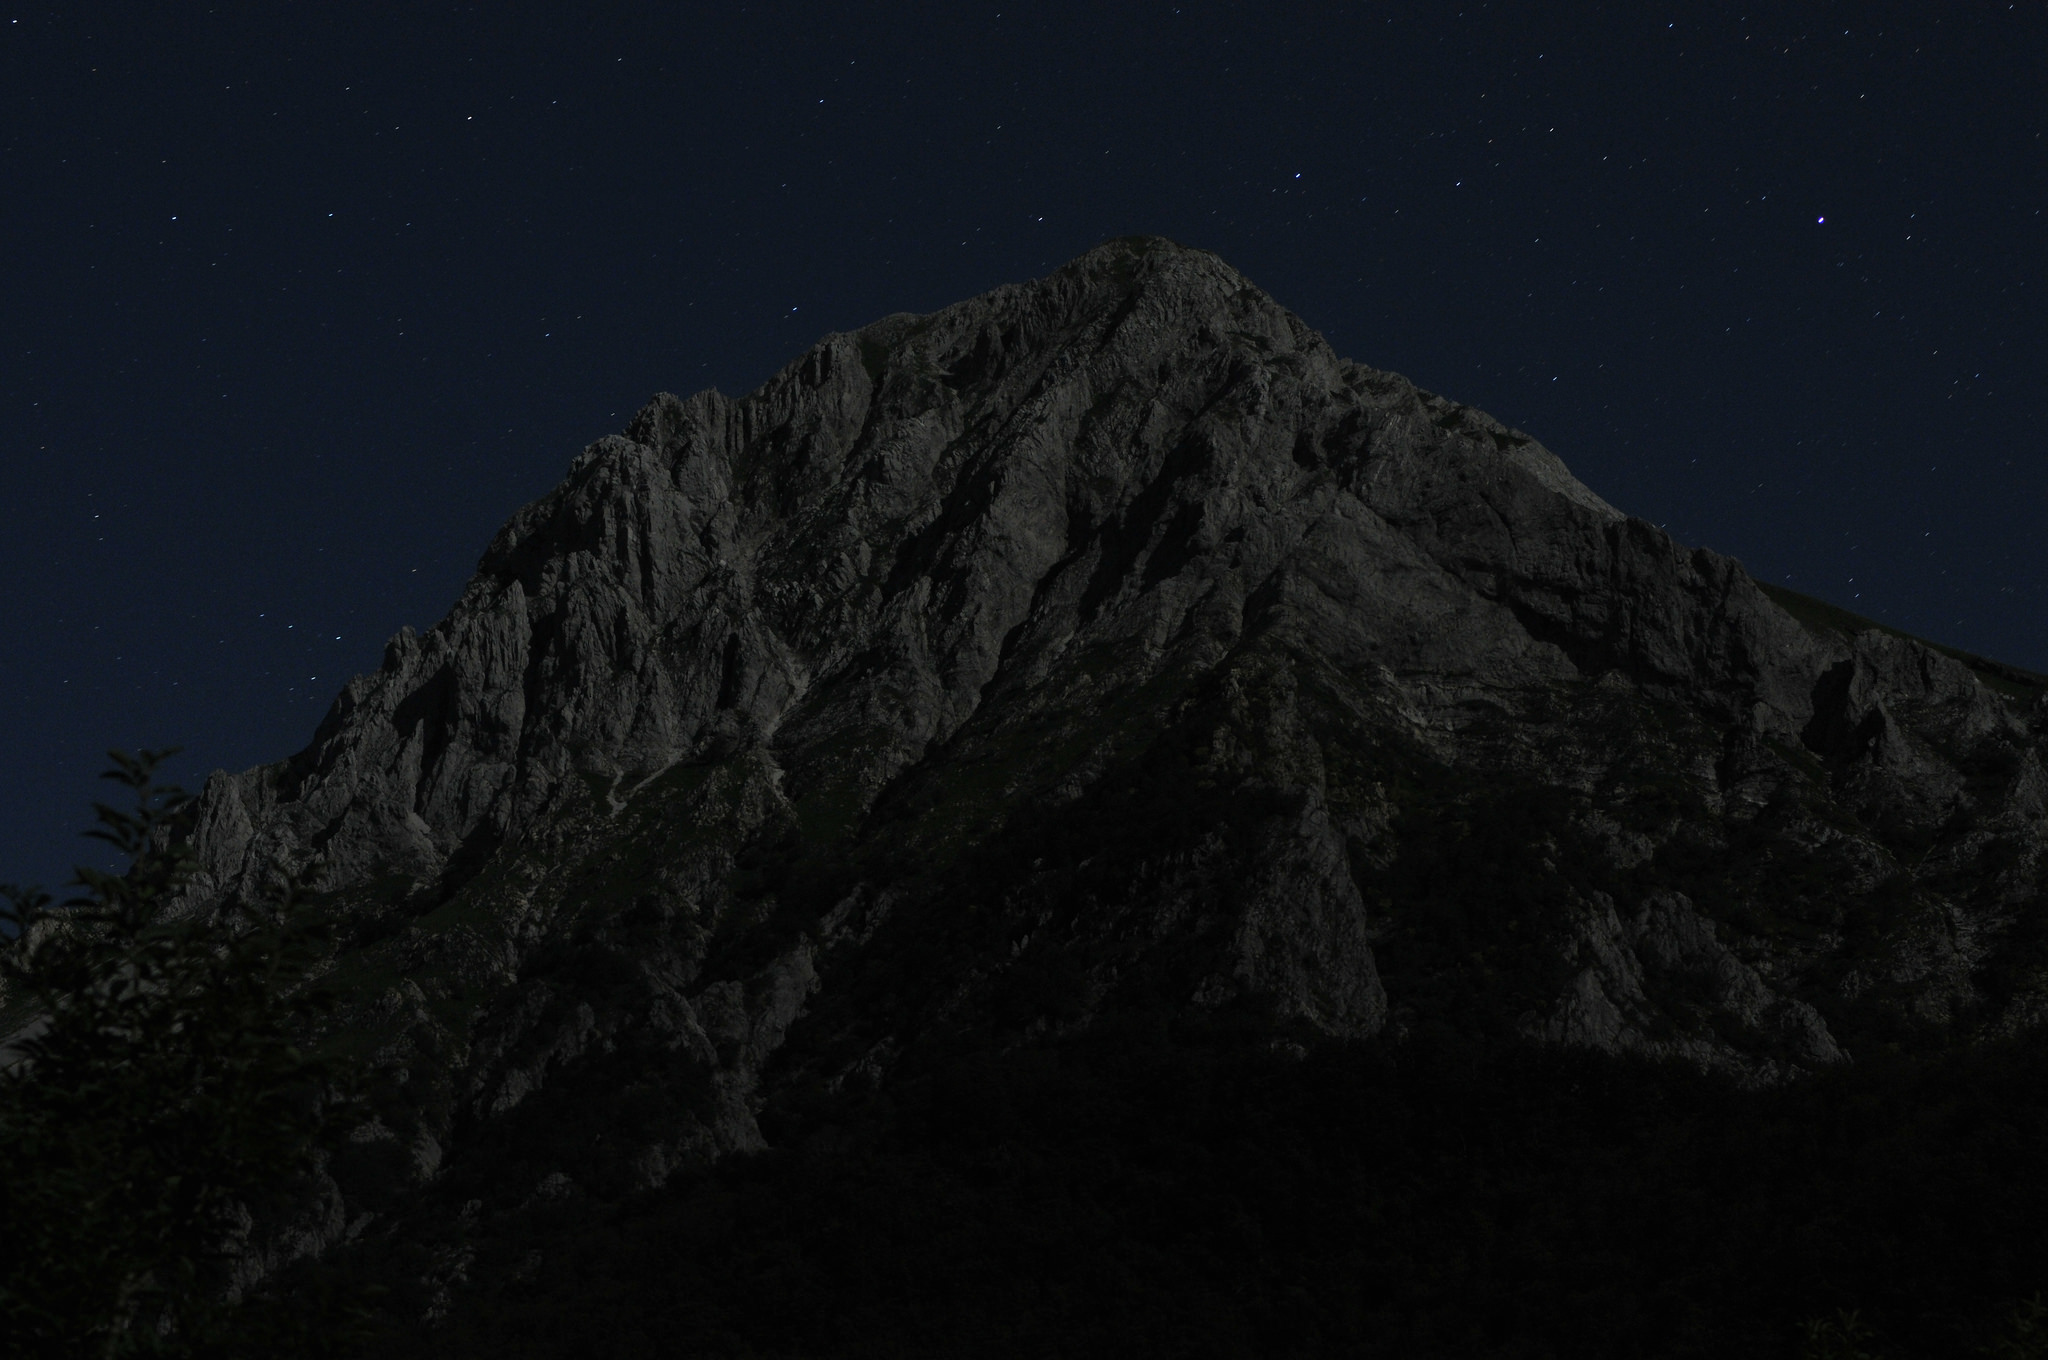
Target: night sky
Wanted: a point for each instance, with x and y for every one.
(298, 303)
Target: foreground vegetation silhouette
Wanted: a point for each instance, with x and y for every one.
(157, 1104)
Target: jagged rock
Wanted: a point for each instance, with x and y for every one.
(1609, 1007)
(1108, 642)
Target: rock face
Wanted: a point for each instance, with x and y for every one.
(1108, 644)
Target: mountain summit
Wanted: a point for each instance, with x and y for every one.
(1106, 650)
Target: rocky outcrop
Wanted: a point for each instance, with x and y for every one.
(1666, 940)
(1107, 643)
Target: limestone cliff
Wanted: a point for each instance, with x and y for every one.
(1103, 644)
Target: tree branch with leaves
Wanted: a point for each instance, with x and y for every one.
(162, 1094)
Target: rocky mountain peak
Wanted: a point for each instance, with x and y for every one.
(978, 451)
(1107, 644)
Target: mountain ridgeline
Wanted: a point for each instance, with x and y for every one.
(1096, 715)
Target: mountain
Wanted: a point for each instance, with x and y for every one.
(1101, 666)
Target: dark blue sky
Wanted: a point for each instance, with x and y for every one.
(298, 303)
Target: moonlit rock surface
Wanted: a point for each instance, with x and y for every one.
(1108, 642)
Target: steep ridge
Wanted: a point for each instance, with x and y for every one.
(1102, 645)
